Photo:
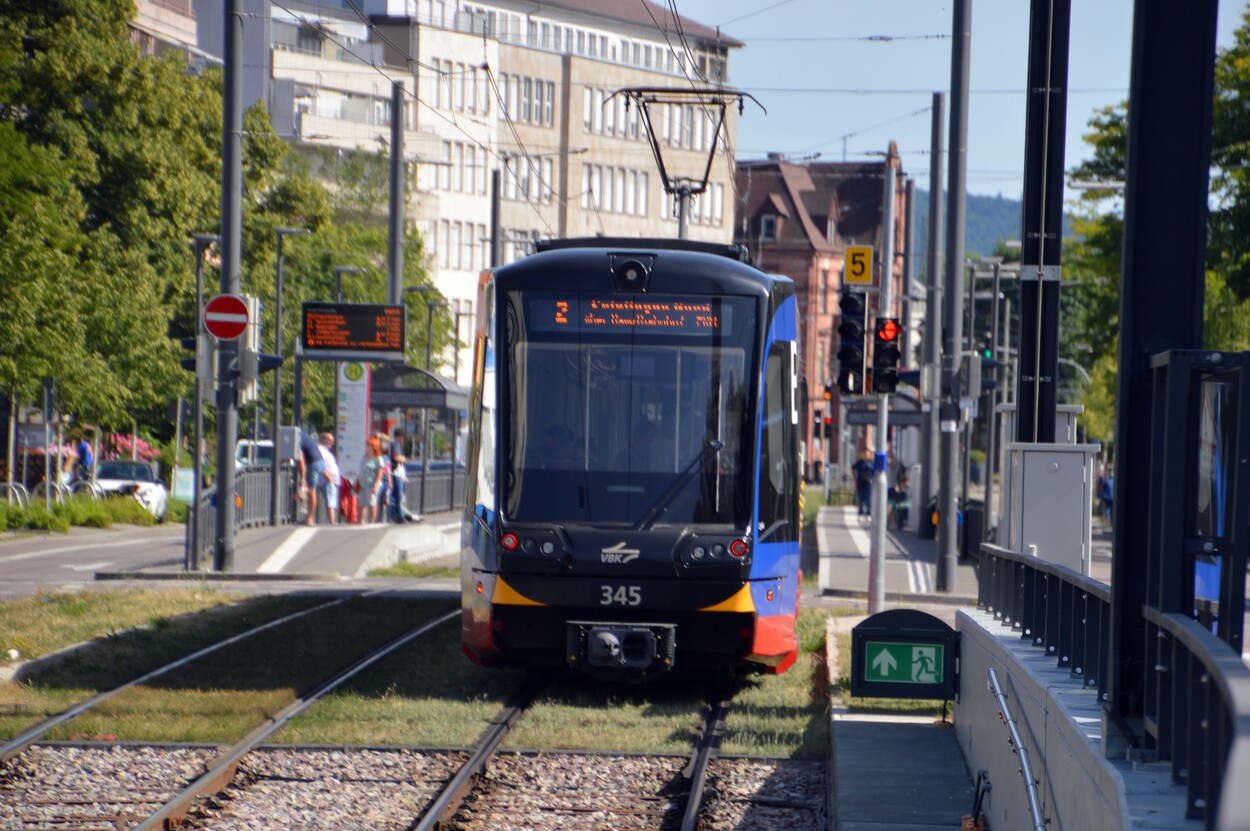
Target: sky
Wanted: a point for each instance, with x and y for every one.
(828, 90)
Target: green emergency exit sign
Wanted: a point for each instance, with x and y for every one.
(904, 653)
(904, 663)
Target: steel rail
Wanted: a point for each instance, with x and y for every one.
(696, 770)
(25, 739)
(221, 769)
(444, 806)
(1022, 753)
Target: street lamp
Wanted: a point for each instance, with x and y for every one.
(200, 243)
(276, 415)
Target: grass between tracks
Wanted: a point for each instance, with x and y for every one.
(223, 695)
(429, 694)
(407, 569)
(125, 634)
(42, 624)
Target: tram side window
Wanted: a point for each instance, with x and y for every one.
(776, 483)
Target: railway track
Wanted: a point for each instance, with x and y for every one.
(113, 786)
(568, 790)
(249, 786)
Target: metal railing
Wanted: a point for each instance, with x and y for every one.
(1022, 752)
(1200, 709)
(15, 494)
(1200, 716)
(1053, 607)
(438, 492)
(252, 487)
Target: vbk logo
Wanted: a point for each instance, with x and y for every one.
(619, 554)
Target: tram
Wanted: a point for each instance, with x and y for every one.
(633, 491)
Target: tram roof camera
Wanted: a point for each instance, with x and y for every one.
(631, 274)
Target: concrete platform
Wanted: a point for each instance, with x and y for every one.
(316, 553)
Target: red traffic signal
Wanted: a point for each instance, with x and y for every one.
(888, 330)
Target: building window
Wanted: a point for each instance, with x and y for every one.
(768, 228)
(824, 293)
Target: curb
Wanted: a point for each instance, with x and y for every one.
(218, 576)
(905, 597)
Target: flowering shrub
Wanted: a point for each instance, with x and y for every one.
(119, 445)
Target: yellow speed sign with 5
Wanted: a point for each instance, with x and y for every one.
(858, 265)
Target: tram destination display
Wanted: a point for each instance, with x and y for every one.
(354, 331)
(662, 315)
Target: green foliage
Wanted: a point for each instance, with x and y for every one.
(84, 510)
(177, 510)
(1229, 221)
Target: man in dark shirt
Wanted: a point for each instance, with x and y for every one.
(311, 466)
(863, 482)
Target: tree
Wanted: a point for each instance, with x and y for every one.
(134, 139)
(1229, 246)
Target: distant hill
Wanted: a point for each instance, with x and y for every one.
(989, 220)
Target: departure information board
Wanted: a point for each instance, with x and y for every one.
(354, 331)
(669, 315)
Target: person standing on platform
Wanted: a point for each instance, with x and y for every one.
(372, 481)
(310, 467)
(328, 484)
(864, 472)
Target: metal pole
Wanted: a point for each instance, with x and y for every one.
(430, 305)
(989, 529)
(956, 202)
(969, 393)
(275, 418)
(231, 258)
(395, 276)
(880, 481)
(931, 349)
(496, 234)
(683, 211)
(455, 435)
(201, 242)
(47, 444)
(1042, 218)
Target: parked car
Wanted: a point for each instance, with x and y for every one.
(134, 478)
(258, 453)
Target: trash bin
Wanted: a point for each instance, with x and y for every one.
(924, 523)
(972, 529)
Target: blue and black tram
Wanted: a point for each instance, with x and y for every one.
(634, 483)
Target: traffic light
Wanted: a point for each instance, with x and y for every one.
(249, 365)
(828, 427)
(987, 349)
(817, 421)
(886, 354)
(204, 364)
(851, 332)
(828, 392)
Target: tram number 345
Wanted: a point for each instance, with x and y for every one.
(620, 595)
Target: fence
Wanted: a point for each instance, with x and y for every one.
(253, 494)
(1198, 701)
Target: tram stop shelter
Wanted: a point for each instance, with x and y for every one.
(441, 400)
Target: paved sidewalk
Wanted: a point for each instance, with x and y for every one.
(844, 539)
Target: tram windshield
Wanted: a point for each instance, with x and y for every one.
(628, 409)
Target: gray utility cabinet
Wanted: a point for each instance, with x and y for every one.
(1051, 489)
(1065, 433)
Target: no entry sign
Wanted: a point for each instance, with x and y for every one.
(225, 316)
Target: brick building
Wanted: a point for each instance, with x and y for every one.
(797, 220)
